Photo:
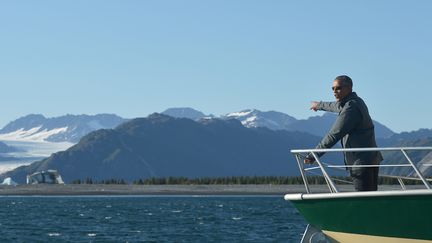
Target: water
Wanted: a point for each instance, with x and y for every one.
(154, 219)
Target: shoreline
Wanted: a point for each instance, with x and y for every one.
(102, 189)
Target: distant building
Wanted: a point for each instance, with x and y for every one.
(45, 177)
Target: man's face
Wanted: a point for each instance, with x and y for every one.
(340, 90)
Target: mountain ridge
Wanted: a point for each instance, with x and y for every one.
(161, 145)
(70, 128)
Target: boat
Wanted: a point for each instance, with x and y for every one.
(402, 214)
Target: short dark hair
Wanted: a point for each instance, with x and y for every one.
(345, 80)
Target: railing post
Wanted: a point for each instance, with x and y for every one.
(401, 183)
(326, 176)
(301, 167)
(416, 170)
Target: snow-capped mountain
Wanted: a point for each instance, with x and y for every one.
(162, 146)
(274, 120)
(250, 118)
(316, 125)
(35, 137)
(254, 118)
(69, 128)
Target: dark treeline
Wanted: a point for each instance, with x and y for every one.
(108, 181)
(237, 180)
(233, 180)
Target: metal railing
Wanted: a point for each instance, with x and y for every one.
(299, 154)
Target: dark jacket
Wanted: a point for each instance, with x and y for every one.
(355, 127)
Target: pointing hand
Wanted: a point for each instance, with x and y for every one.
(314, 105)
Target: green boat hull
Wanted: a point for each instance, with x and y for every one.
(401, 216)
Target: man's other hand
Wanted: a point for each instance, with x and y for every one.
(309, 160)
(314, 105)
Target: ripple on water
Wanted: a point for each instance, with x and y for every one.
(164, 219)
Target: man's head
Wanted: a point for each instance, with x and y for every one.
(342, 87)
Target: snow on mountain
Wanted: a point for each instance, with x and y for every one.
(240, 114)
(316, 125)
(250, 118)
(255, 118)
(29, 151)
(69, 128)
(36, 137)
(33, 134)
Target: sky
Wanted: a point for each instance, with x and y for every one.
(133, 58)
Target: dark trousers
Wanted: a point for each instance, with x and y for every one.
(367, 180)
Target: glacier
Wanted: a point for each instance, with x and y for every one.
(33, 134)
(30, 151)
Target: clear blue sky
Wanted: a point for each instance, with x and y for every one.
(133, 58)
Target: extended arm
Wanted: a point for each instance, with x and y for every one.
(329, 106)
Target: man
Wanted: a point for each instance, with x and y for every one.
(355, 127)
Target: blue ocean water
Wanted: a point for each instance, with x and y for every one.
(149, 219)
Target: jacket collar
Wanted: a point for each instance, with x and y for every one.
(351, 96)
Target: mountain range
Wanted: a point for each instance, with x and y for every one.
(179, 142)
(71, 128)
(274, 120)
(161, 146)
